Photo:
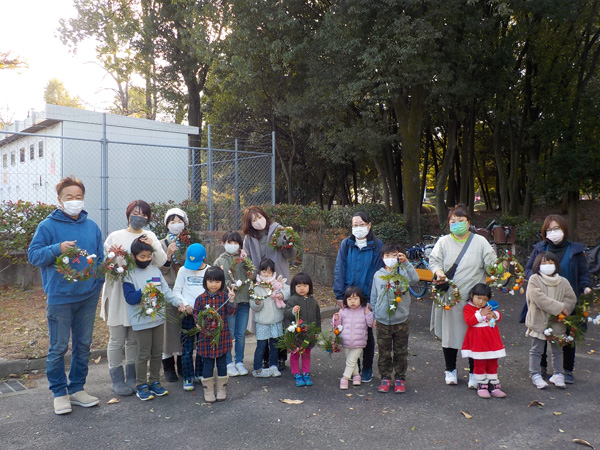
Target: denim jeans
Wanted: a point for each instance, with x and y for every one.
(237, 327)
(75, 321)
(261, 346)
(208, 369)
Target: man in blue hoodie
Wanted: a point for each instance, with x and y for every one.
(71, 305)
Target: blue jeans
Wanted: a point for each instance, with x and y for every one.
(209, 367)
(261, 346)
(237, 327)
(75, 321)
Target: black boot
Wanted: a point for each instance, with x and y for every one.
(169, 368)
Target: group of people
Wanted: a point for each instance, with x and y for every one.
(247, 285)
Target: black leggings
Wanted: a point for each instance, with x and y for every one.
(568, 357)
(450, 355)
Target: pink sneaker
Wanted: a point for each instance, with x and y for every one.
(482, 390)
(356, 380)
(344, 383)
(497, 391)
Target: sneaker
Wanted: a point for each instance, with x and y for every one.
(558, 380)
(281, 365)
(472, 383)
(367, 375)
(261, 373)
(82, 398)
(299, 380)
(569, 378)
(539, 381)
(483, 391)
(343, 383)
(307, 380)
(62, 405)
(143, 393)
(451, 377)
(356, 380)
(496, 390)
(384, 387)
(241, 369)
(198, 380)
(399, 387)
(188, 385)
(232, 370)
(274, 371)
(157, 389)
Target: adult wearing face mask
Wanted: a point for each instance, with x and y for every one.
(573, 267)
(114, 306)
(176, 220)
(358, 258)
(258, 229)
(471, 264)
(71, 306)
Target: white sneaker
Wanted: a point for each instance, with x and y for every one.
(62, 405)
(275, 371)
(451, 377)
(539, 381)
(261, 373)
(82, 398)
(558, 380)
(241, 369)
(231, 370)
(472, 383)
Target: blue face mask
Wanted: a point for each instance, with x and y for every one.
(459, 228)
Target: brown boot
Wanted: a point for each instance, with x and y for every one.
(209, 389)
(222, 388)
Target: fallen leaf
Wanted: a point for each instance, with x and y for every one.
(561, 431)
(112, 401)
(591, 351)
(151, 410)
(348, 395)
(536, 403)
(289, 401)
(98, 359)
(265, 389)
(351, 409)
(556, 413)
(582, 442)
(466, 414)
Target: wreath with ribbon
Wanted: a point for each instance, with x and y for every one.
(209, 325)
(331, 341)
(73, 255)
(441, 300)
(396, 286)
(248, 267)
(291, 239)
(508, 277)
(117, 264)
(263, 284)
(152, 303)
(298, 336)
(575, 323)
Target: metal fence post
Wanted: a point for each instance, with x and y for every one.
(236, 187)
(273, 168)
(209, 184)
(104, 181)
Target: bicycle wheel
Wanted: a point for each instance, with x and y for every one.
(419, 289)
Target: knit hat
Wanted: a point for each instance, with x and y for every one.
(177, 212)
(194, 257)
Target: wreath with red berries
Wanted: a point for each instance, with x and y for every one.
(73, 255)
(441, 300)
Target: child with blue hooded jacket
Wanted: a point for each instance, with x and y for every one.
(390, 301)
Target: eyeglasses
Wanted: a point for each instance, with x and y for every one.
(554, 229)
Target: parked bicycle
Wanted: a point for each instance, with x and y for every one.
(418, 255)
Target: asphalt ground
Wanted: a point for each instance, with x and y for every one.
(429, 415)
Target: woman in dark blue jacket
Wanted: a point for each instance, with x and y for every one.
(359, 257)
(573, 266)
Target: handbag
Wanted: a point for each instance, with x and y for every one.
(443, 287)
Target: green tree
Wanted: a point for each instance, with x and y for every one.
(55, 93)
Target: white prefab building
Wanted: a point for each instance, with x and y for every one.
(145, 159)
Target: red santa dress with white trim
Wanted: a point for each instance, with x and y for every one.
(481, 341)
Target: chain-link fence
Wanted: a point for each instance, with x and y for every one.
(226, 180)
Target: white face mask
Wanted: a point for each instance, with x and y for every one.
(176, 228)
(232, 249)
(547, 269)
(267, 279)
(73, 207)
(360, 232)
(259, 224)
(390, 262)
(555, 236)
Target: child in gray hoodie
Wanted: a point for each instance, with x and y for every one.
(390, 301)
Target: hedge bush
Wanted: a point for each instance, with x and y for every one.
(300, 217)
(196, 212)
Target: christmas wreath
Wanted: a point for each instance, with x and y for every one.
(441, 300)
(264, 284)
(209, 324)
(507, 274)
(298, 336)
(290, 239)
(73, 255)
(331, 341)
(152, 303)
(397, 285)
(117, 264)
(183, 241)
(247, 266)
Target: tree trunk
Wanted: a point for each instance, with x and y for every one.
(393, 175)
(471, 164)
(463, 195)
(410, 122)
(444, 173)
(573, 197)
(500, 168)
(383, 181)
(355, 181)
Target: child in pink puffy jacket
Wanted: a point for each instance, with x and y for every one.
(355, 317)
